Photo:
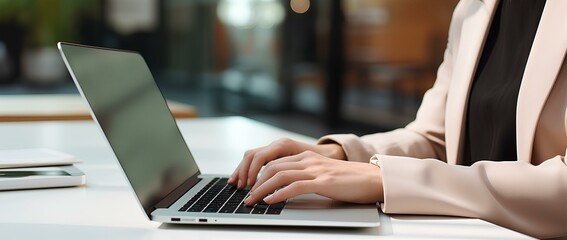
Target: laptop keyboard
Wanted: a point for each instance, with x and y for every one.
(219, 197)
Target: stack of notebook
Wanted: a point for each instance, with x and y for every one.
(38, 168)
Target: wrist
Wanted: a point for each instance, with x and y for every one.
(333, 150)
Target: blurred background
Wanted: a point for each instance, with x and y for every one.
(309, 66)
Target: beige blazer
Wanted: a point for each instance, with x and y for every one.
(420, 163)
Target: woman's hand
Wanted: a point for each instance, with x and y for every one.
(310, 172)
(246, 173)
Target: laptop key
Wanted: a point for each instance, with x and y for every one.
(232, 204)
(274, 211)
(279, 205)
(214, 208)
(227, 209)
(243, 209)
(195, 210)
(258, 211)
(261, 206)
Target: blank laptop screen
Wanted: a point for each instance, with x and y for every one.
(135, 119)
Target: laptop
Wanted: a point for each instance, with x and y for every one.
(130, 110)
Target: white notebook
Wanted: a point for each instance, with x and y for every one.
(38, 168)
(34, 157)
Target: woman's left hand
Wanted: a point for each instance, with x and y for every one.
(310, 172)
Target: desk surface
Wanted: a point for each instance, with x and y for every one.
(54, 107)
(106, 209)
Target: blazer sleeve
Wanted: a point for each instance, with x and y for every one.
(513, 194)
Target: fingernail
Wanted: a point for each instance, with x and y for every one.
(230, 179)
(268, 198)
(247, 200)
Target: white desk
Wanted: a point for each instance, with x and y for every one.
(106, 209)
(54, 107)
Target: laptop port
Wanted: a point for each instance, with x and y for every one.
(203, 220)
(175, 219)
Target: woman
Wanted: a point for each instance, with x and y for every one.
(489, 140)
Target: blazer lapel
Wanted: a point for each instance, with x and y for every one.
(474, 30)
(545, 60)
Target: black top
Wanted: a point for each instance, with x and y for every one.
(491, 114)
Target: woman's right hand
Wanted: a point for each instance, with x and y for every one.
(247, 171)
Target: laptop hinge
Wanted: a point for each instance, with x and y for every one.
(172, 197)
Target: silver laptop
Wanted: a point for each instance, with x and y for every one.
(127, 105)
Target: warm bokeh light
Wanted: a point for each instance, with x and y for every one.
(251, 13)
(300, 6)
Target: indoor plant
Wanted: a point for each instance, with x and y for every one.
(46, 22)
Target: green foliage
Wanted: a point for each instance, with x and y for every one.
(47, 21)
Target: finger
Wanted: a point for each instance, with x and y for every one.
(240, 174)
(292, 190)
(273, 169)
(279, 180)
(269, 171)
(233, 180)
(234, 177)
(265, 155)
(295, 158)
(277, 149)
